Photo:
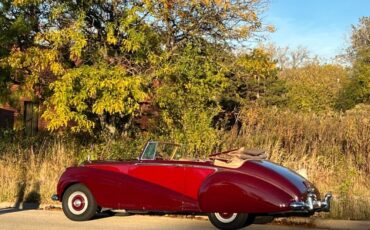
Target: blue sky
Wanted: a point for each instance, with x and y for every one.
(322, 26)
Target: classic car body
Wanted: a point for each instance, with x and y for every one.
(171, 184)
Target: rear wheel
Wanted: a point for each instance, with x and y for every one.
(78, 203)
(228, 221)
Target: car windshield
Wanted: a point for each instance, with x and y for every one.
(155, 150)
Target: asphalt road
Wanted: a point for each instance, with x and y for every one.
(55, 220)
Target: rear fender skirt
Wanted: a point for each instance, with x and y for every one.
(230, 191)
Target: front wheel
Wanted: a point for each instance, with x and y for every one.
(78, 203)
(229, 221)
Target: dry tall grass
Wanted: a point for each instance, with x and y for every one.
(334, 148)
(31, 174)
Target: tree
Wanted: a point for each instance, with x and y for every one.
(84, 54)
(360, 38)
(288, 57)
(18, 27)
(251, 75)
(314, 87)
(217, 22)
(252, 80)
(358, 89)
(94, 97)
(75, 63)
(191, 82)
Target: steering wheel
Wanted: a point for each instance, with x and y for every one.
(158, 156)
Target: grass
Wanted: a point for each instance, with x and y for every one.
(31, 174)
(333, 148)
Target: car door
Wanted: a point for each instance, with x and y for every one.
(155, 185)
(195, 175)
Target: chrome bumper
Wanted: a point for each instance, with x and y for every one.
(312, 204)
(55, 197)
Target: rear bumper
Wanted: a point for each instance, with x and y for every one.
(312, 204)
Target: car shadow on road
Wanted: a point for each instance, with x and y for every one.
(99, 216)
(109, 213)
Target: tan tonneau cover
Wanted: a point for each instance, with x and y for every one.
(236, 158)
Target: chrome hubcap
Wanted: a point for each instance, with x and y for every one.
(226, 217)
(77, 203)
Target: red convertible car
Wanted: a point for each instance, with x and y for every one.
(162, 180)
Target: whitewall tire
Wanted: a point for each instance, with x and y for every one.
(78, 203)
(229, 221)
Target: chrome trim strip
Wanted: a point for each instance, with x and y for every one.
(174, 165)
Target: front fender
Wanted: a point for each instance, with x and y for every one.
(233, 191)
(69, 177)
(104, 185)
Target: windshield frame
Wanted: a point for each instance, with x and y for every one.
(153, 156)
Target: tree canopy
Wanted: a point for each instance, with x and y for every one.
(93, 62)
(358, 88)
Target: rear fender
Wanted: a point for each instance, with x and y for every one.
(231, 191)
